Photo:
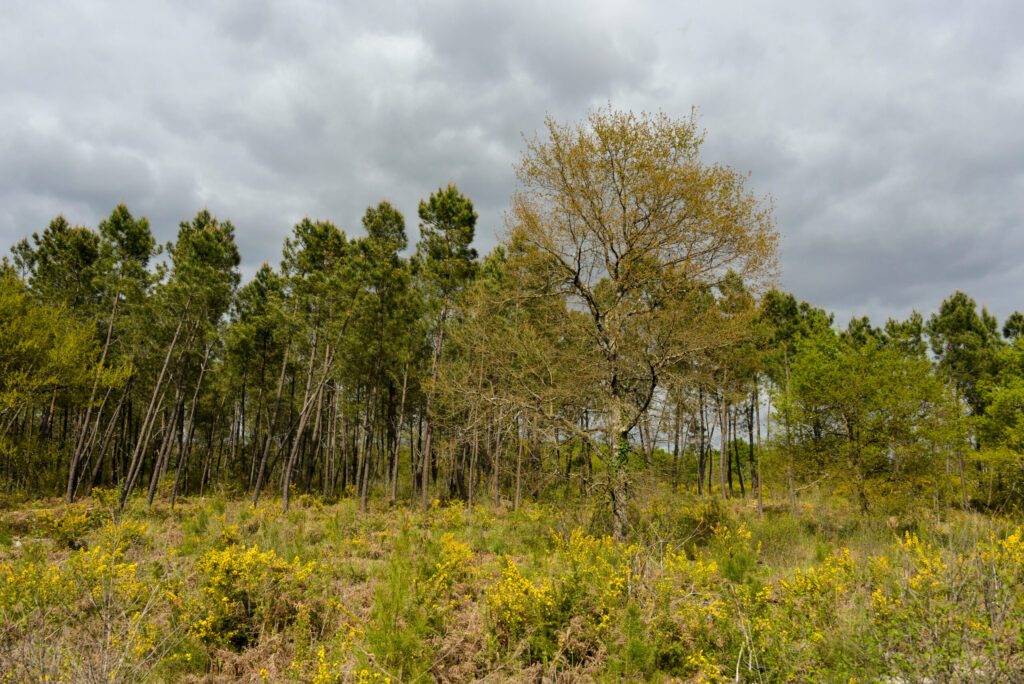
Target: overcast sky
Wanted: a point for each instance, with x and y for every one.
(890, 135)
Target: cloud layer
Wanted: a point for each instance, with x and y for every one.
(887, 134)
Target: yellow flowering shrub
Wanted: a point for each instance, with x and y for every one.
(241, 590)
(734, 551)
(999, 562)
(29, 587)
(704, 670)
(790, 625)
(309, 501)
(600, 573)
(123, 533)
(68, 525)
(95, 575)
(94, 596)
(944, 615)
(914, 605)
(447, 515)
(453, 567)
(514, 602)
(813, 595)
(323, 641)
(689, 611)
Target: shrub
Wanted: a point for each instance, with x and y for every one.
(98, 612)
(793, 625)
(68, 526)
(515, 603)
(736, 554)
(690, 613)
(600, 573)
(951, 616)
(243, 591)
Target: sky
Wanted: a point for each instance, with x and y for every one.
(888, 136)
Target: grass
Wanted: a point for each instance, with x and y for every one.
(703, 590)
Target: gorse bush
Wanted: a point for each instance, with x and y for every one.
(951, 615)
(207, 594)
(598, 575)
(68, 526)
(453, 567)
(245, 592)
(689, 608)
(92, 615)
(515, 604)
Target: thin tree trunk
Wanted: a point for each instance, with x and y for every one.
(702, 456)
(108, 433)
(143, 439)
(435, 364)
(164, 453)
(760, 454)
(519, 467)
(675, 446)
(83, 442)
(286, 479)
(370, 422)
(396, 448)
(736, 451)
(261, 472)
(183, 456)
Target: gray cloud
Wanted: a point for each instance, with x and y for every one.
(887, 134)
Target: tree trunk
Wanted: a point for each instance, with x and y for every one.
(183, 456)
(396, 448)
(521, 444)
(435, 365)
(272, 425)
(84, 443)
(143, 438)
(368, 428)
(307, 403)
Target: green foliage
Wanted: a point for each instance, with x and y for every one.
(863, 410)
(444, 257)
(244, 592)
(68, 526)
(45, 349)
(1013, 327)
(965, 342)
(788, 321)
(776, 598)
(60, 264)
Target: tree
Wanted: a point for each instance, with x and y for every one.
(45, 350)
(1013, 327)
(965, 343)
(1001, 427)
(862, 410)
(186, 311)
(629, 226)
(444, 262)
(383, 340)
(1002, 424)
(255, 345)
(786, 322)
(908, 335)
(321, 287)
(513, 374)
(121, 279)
(60, 264)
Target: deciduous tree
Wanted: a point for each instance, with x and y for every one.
(629, 226)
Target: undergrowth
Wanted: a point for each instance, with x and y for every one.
(702, 591)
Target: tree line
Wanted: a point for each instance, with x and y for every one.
(625, 325)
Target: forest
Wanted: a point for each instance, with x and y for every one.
(609, 449)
